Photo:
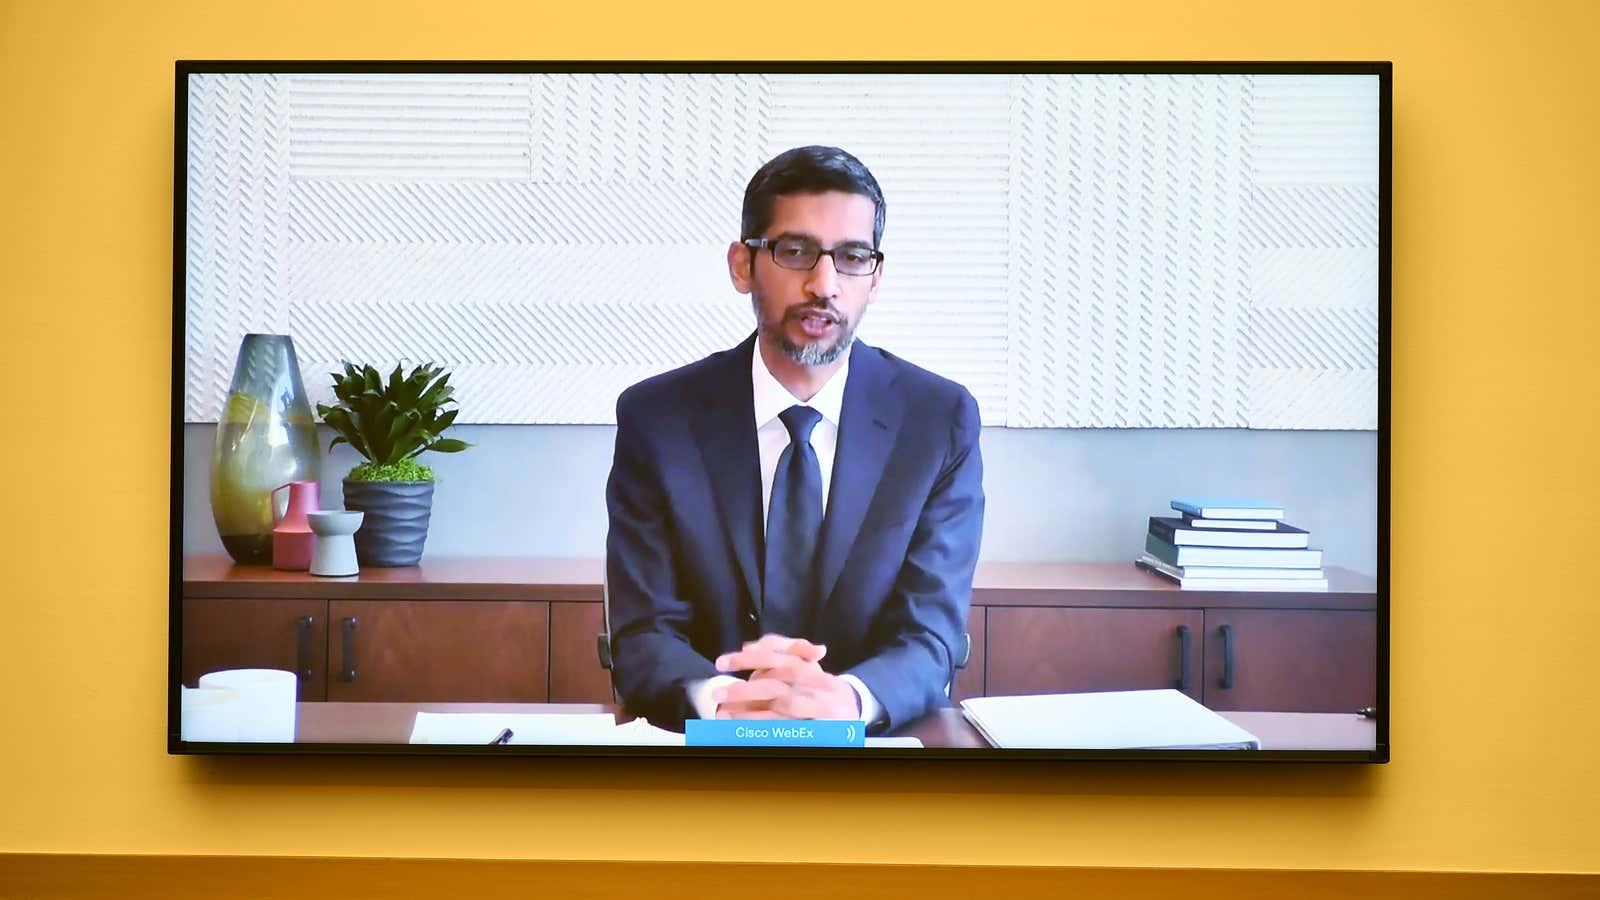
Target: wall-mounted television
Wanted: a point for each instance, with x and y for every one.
(882, 410)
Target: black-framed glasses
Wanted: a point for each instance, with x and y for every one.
(802, 254)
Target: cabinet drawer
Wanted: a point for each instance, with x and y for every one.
(443, 651)
(1291, 660)
(1049, 650)
(257, 633)
(575, 672)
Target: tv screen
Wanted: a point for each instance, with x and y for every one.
(911, 410)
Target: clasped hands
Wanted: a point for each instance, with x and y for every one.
(785, 682)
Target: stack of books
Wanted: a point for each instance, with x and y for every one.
(1232, 545)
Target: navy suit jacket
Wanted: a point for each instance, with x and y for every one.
(898, 546)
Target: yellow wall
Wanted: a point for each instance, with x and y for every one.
(1495, 496)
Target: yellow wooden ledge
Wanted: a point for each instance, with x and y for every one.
(129, 877)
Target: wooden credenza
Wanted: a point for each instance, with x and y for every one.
(1113, 627)
(522, 630)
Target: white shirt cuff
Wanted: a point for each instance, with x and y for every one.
(700, 694)
(871, 709)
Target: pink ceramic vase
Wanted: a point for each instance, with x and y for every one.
(292, 538)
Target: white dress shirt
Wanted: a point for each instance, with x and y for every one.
(772, 398)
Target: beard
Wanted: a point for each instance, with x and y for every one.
(811, 353)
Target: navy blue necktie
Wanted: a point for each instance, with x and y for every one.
(794, 519)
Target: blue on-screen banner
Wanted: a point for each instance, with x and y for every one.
(774, 733)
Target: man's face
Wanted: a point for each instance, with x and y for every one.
(809, 315)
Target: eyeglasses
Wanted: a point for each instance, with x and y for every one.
(802, 254)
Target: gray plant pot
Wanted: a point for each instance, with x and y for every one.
(396, 523)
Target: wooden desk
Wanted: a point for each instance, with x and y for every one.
(1308, 731)
(390, 723)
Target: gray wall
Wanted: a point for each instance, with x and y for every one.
(1055, 495)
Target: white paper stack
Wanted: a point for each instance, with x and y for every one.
(1112, 720)
(895, 743)
(538, 728)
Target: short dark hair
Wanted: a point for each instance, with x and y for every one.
(807, 170)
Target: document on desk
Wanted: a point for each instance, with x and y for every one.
(895, 743)
(539, 728)
(1111, 720)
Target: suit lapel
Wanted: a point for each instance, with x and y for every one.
(869, 422)
(724, 427)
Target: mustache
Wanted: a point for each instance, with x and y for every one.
(798, 310)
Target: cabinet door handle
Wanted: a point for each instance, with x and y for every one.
(1182, 683)
(1227, 657)
(347, 630)
(303, 647)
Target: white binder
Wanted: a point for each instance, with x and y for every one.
(1111, 720)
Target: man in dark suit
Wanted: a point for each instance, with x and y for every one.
(802, 510)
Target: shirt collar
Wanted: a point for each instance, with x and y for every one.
(772, 398)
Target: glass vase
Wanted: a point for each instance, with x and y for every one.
(266, 437)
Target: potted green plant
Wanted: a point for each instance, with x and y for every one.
(390, 423)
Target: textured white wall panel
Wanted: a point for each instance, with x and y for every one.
(1080, 251)
(493, 308)
(1037, 334)
(434, 127)
(541, 394)
(1306, 399)
(449, 278)
(649, 131)
(236, 222)
(1313, 277)
(1316, 339)
(1311, 226)
(1322, 216)
(1317, 130)
(1126, 296)
(457, 214)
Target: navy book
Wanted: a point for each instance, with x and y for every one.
(1176, 531)
(1254, 557)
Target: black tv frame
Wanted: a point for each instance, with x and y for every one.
(1384, 70)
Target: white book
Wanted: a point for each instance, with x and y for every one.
(1110, 720)
(1280, 585)
(1222, 578)
(1232, 524)
(1228, 508)
(1180, 572)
